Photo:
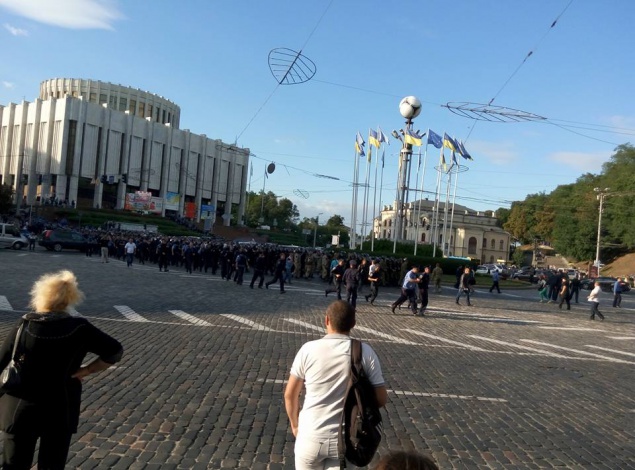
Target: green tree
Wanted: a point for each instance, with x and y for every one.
(283, 211)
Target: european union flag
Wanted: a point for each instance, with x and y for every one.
(434, 139)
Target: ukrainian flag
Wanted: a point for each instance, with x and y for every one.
(412, 138)
(372, 138)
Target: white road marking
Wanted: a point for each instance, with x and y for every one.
(622, 337)
(413, 394)
(481, 316)
(513, 345)
(567, 328)
(445, 340)
(585, 353)
(4, 303)
(383, 335)
(446, 395)
(190, 318)
(73, 312)
(311, 326)
(616, 351)
(244, 321)
(24, 254)
(130, 314)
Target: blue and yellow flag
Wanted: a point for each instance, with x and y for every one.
(442, 163)
(411, 137)
(372, 138)
(359, 144)
(449, 142)
(463, 151)
(381, 136)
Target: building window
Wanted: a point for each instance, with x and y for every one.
(491, 259)
(163, 121)
(123, 104)
(112, 103)
(149, 111)
(142, 110)
(102, 98)
(501, 245)
(484, 242)
(493, 245)
(390, 222)
(133, 107)
(423, 237)
(471, 246)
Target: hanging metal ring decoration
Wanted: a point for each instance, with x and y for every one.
(290, 67)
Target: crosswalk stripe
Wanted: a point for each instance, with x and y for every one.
(567, 328)
(616, 351)
(190, 318)
(622, 337)
(306, 325)
(130, 314)
(445, 395)
(584, 353)
(4, 303)
(244, 321)
(445, 340)
(383, 335)
(519, 346)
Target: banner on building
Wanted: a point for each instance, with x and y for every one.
(172, 201)
(138, 201)
(208, 212)
(190, 210)
(156, 205)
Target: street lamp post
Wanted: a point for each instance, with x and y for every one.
(601, 194)
(317, 219)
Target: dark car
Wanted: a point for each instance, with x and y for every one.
(58, 240)
(606, 284)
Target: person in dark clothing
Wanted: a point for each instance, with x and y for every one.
(464, 287)
(424, 283)
(278, 273)
(564, 293)
(163, 252)
(337, 272)
(373, 278)
(241, 265)
(259, 271)
(350, 278)
(574, 291)
(363, 274)
(408, 286)
(51, 347)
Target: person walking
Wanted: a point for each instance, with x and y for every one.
(543, 289)
(322, 367)
(351, 280)
(617, 293)
(336, 273)
(595, 301)
(564, 293)
(408, 286)
(241, 265)
(495, 280)
(278, 273)
(437, 275)
(373, 278)
(130, 249)
(574, 287)
(424, 282)
(259, 271)
(53, 344)
(464, 287)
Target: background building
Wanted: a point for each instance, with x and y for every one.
(469, 233)
(91, 143)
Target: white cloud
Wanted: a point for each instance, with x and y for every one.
(498, 153)
(584, 162)
(72, 14)
(15, 31)
(8, 84)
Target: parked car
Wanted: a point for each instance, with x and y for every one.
(58, 240)
(606, 284)
(10, 237)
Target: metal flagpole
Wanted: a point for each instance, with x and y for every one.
(365, 198)
(445, 214)
(354, 204)
(423, 175)
(381, 179)
(456, 181)
(372, 220)
(435, 212)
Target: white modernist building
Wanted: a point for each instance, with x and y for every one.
(90, 143)
(467, 233)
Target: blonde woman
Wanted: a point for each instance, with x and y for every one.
(51, 349)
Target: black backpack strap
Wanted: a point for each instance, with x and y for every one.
(356, 366)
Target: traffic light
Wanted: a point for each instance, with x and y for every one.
(103, 179)
(124, 178)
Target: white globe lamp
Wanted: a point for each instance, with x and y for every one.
(410, 107)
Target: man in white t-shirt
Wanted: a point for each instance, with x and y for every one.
(323, 368)
(130, 248)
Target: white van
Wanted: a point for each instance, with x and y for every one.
(10, 237)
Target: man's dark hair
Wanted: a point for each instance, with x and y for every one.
(401, 460)
(341, 315)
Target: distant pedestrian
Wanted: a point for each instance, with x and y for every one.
(408, 286)
(495, 280)
(543, 289)
(424, 282)
(595, 301)
(564, 293)
(259, 271)
(617, 293)
(437, 275)
(464, 287)
(373, 278)
(278, 273)
(574, 287)
(336, 273)
(351, 279)
(130, 248)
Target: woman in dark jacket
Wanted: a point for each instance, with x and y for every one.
(51, 349)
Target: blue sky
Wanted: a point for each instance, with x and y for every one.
(210, 57)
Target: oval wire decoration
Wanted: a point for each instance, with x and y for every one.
(491, 113)
(290, 67)
(301, 193)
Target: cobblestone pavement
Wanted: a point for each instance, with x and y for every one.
(507, 383)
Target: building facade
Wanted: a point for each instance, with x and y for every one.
(466, 233)
(91, 143)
